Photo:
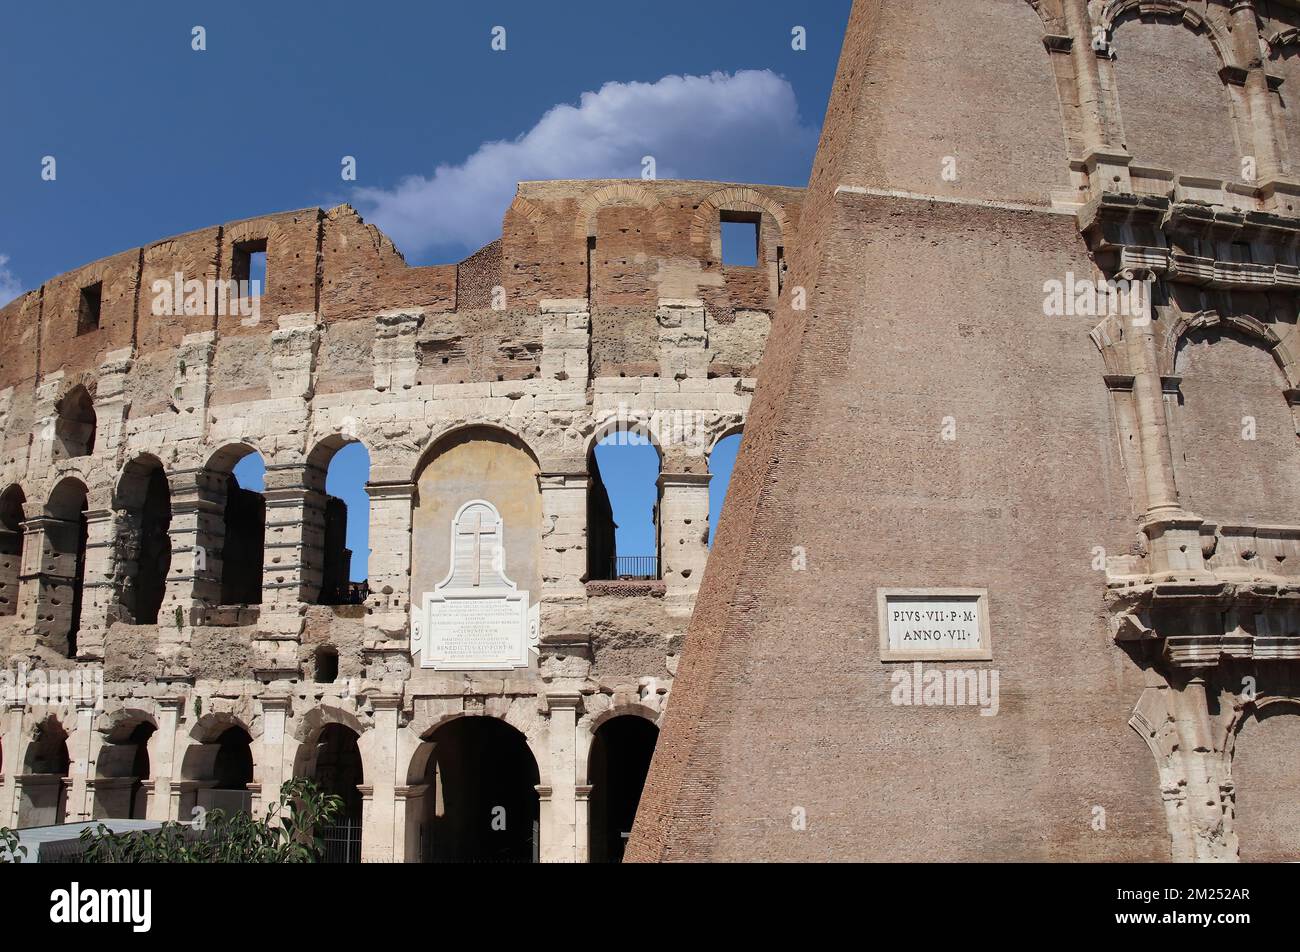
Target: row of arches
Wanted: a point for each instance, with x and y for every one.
(475, 782)
(623, 530)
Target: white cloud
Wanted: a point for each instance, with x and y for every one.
(742, 127)
(10, 286)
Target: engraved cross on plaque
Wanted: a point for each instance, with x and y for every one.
(477, 529)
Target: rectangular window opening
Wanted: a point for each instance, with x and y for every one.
(248, 266)
(740, 239)
(88, 308)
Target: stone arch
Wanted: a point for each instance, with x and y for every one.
(232, 533)
(142, 499)
(436, 439)
(604, 560)
(1114, 12)
(326, 558)
(731, 429)
(704, 231)
(617, 762)
(1162, 94)
(615, 423)
(620, 708)
(534, 214)
(12, 517)
(1173, 337)
(1235, 452)
(122, 764)
(1266, 827)
(219, 764)
(616, 193)
(61, 537)
(473, 791)
(477, 462)
(45, 767)
(74, 424)
(333, 757)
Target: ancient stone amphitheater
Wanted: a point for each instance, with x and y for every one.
(212, 612)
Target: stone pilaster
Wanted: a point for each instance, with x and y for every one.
(683, 340)
(162, 758)
(294, 344)
(390, 559)
(112, 402)
(559, 820)
(272, 769)
(13, 749)
(382, 836)
(395, 360)
(564, 534)
(683, 532)
(98, 589)
(566, 342)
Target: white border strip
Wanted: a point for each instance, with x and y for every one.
(949, 200)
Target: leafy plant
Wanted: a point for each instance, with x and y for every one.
(10, 851)
(289, 833)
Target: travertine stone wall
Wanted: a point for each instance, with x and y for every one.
(525, 345)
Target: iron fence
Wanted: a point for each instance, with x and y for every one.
(342, 842)
(634, 567)
(346, 593)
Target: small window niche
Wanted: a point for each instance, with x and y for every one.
(741, 246)
(248, 266)
(88, 308)
(327, 665)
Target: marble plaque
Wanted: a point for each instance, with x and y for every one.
(476, 619)
(934, 624)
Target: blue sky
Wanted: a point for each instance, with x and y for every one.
(152, 138)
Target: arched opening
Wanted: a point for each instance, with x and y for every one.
(337, 770)
(1266, 776)
(616, 769)
(11, 548)
(63, 567)
(43, 799)
(222, 768)
(74, 425)
(477, 465)
(480, 803)
(1177, 111)
(1236, 459)
(146, 548)
(623, 507)
(234, 550)
(337, 551)
(122, 768)
(722, 460)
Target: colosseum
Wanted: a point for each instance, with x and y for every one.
(479, 390)
(1009, 568)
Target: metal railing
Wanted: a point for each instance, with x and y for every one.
(346, 593)
(342, 842)
(634, 567)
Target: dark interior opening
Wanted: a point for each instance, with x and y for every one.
(617, 769)
(482, 803)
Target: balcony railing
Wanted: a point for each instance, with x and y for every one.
(346, 593)
(636, 568)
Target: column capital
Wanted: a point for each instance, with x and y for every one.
(562, 701)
